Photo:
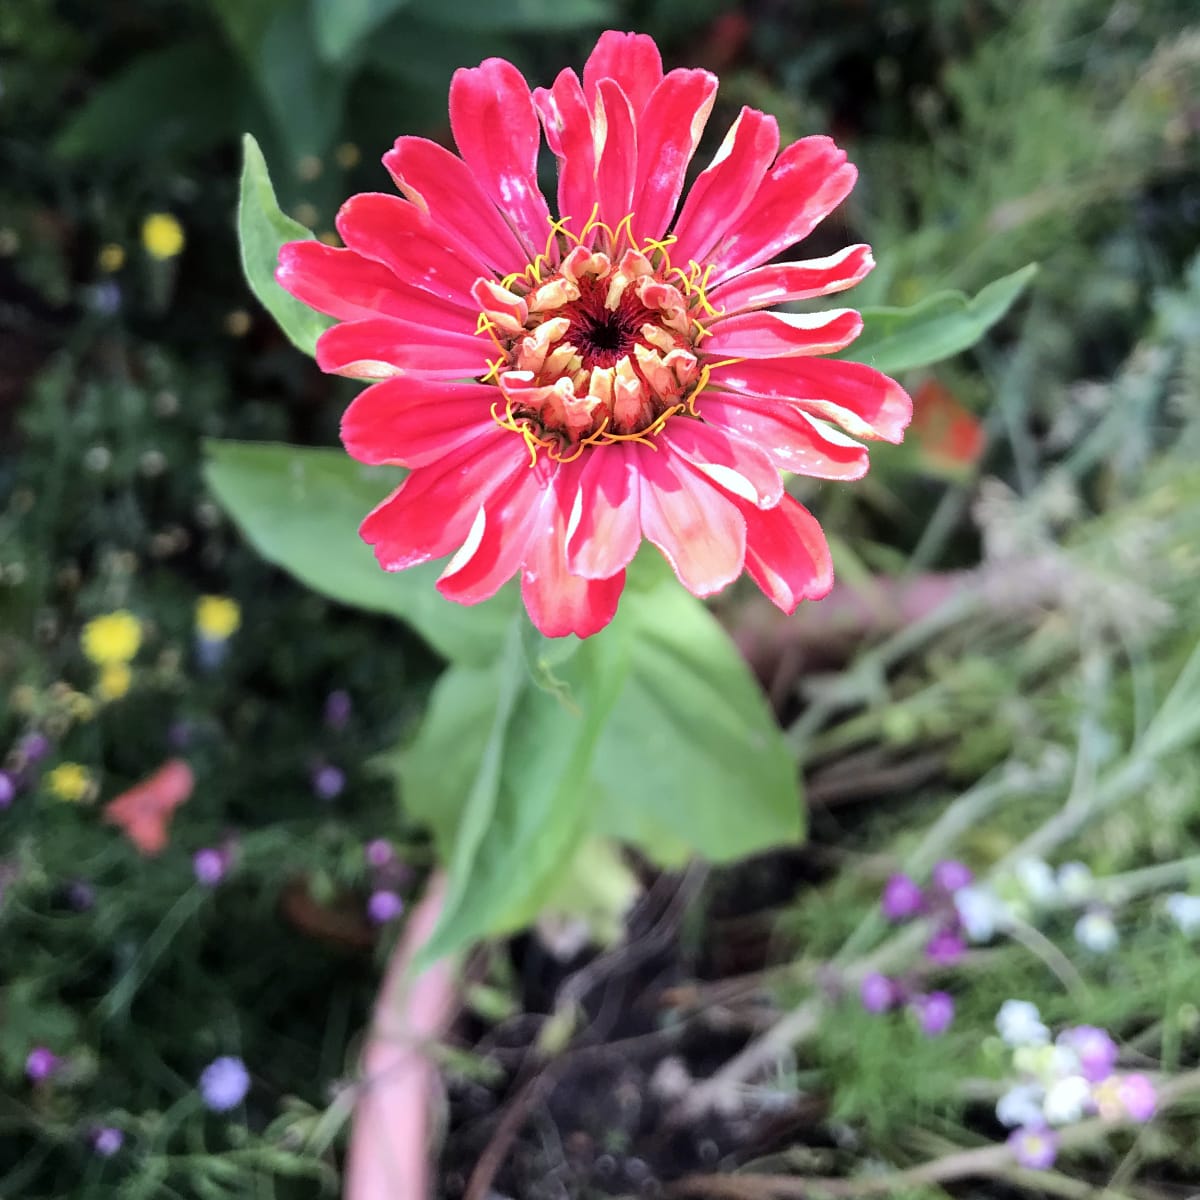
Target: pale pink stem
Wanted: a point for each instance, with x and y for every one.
(391, 1156)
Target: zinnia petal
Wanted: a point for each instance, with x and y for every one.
(560, 601)
(382, 346)
(616, 152)
(413, 422)
(777, 335)
(496, 130)
(668, 132)
(631, 60)
(724, 189)
(433, 510)
(808, 181)
(567, 121)
(865, 402)
(605, 528)
(783, 283)
(350, 287)
(441, 185)
(700, 531)
(787, 554)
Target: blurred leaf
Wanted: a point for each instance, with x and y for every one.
(900, 339)
(301, 509)
(262, 229)
(303, 94)
(529, 801)
(598, 887)
(692, 759)
(539, 16)
(340, 26)
(161, 102)
(667, 742)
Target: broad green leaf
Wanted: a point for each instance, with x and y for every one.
(341, 26)
(541, 16)
(530, 803)
(301, 508)
(900, 339)
(597, 886)
(160, 104)
(262, 229)
(692, 760)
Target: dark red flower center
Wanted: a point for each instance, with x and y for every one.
(604, 336)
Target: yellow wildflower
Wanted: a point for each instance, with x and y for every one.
(69, 781)
(217, 617)
(114, 681)
(81, 707)
(112, 638)
(111, 257)
(162, 236)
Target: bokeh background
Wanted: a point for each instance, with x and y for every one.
(1020, 591)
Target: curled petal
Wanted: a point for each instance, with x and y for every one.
(441, 184)
(700, 531)
(604, 528)
(433, 510)
(496, 130)
(787, 554)
(616, 152)
(863, 401)
(792, 439)
(781, 335)
(632, 60)
(414, 422)
(809, 180)
(380, 347)
(568, 125)
(399, 235)
(782, 283)
(724, 189)
(668, 132)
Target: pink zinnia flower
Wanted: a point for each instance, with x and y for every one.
(563, 386)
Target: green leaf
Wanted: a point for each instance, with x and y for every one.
(692, 760)
(262, 229)
(301, 508)
(341, 26)
(125, 118)
(900, 339)
(541, 16)
(529, 804)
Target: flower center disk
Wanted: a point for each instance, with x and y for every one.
(594, 346)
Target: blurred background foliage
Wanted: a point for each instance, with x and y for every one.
(1054, 467)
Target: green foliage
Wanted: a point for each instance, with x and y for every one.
(301, 509)
(262, 229)
(901, 339)
(513, 777)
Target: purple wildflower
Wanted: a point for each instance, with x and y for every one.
(107, 1140)
(328, 781)
(877, 993)
(1097, 1052)
(1034, 1147)
(379, 853)
(384, 906)
(34, 746)
(1138, 1098)
(8, 789)
(41, 1064)
(338, 708)
(949, 875)
(901, 898)
(224, 1083)
(945, 948)
(934, 1013)
(81, 896)
(209, 866)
